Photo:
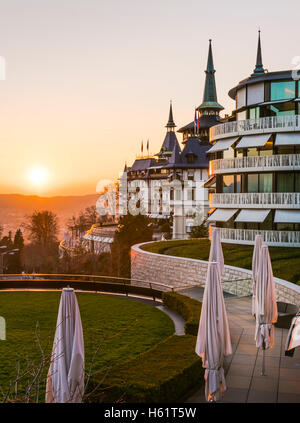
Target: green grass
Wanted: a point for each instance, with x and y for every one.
(124, 328)
(163, 374)
(285, 261)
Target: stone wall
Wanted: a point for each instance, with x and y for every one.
(179, 272)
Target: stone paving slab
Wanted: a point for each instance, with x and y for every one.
(245, 384)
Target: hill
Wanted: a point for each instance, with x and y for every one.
(15, 207)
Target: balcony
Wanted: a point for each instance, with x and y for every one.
(251, 200)
(271, 238)
(256, 164)
(255, 126)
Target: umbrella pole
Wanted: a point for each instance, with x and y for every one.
(263, 360)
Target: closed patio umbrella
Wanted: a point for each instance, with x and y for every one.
(293, 338)
(216, 252)
(65, 381)
(265, 304)
(213, 340)
(255, 262)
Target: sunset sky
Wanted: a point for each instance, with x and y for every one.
(87, 80)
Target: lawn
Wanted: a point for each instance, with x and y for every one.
(123, 328)
(285, 261)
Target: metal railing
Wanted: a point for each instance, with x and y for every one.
(94, 283)
(256, 163)
(257, 200)
(251, 126)
(270, 237)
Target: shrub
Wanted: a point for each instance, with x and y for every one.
(187, 307)
(164, 373)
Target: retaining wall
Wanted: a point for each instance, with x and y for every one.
(180, 272)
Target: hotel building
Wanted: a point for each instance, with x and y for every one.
(171, 184)
(255, 161)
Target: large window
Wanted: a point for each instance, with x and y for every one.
(254, 113)
(285, 182)
(260, 183)
(280, 109)
(253, 182)
(265, 182)
(253, 151)
(228, 183)
(283, 90)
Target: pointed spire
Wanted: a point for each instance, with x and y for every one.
(125, 167)
(171, 123)
(259, 66)
(210, 93)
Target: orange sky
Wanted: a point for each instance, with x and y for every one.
(87, 80)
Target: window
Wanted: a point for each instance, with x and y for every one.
(190, 158)
(297, 182)
(253, 183)
(190, 175)
(283, 90)
(285, 182)
(265, 182)
(228, 183)
(285, 149)
(252, 151)
(238, 183)
(267, 150)
(191, 194)
(254, 113)
(281, 109)
(285, 226)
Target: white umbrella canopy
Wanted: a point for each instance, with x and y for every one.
(265, 303)
(213, 340)
(255, 262)
(216, 252)
(293, 338)
(65, 381)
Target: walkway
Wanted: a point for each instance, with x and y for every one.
(243, 367)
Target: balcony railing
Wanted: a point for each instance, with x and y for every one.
(252, 126)
(280, 200)
(256, 163)
(272, 238)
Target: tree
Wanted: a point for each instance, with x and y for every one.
(199, 231)
(42, 254)
(131, 230)
(43, 228)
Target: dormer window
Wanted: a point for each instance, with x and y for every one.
(191, 158)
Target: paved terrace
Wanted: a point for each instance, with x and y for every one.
(243, 368)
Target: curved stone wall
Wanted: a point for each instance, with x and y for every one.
(181, 272)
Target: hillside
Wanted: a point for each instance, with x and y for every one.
(15, 207)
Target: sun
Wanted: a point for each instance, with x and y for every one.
(37, 175)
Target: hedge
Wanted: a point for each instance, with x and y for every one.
(187, 307)
(164, 373)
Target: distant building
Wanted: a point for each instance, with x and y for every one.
(98, 239)
(255, 160)
(171, 185)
